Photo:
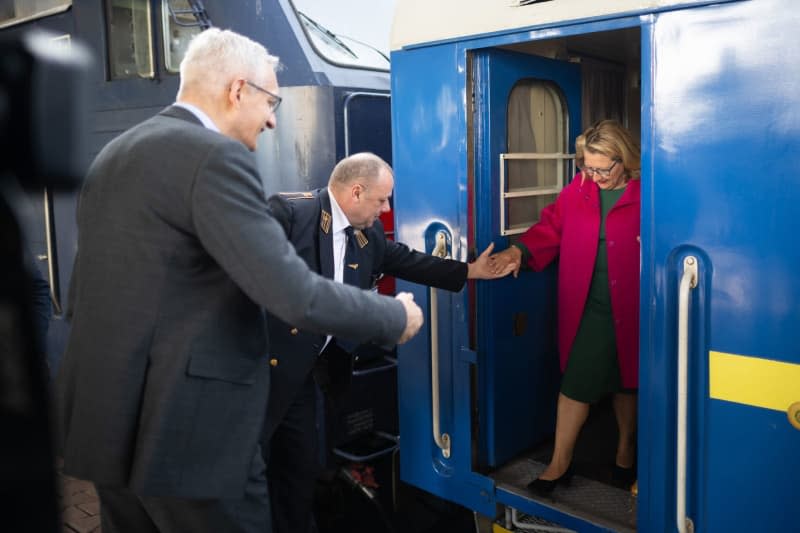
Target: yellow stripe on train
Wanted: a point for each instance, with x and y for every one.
(753, 380)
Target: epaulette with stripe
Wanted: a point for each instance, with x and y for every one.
(297, 195)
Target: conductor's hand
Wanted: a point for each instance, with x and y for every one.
(485, 266)
(413, 316)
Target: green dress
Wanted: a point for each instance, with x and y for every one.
(592, 368)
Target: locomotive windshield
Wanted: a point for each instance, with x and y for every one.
(344, 39)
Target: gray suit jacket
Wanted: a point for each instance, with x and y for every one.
(163, 384)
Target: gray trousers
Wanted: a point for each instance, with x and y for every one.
(123, 511)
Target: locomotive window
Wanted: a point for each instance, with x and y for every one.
(536, 166)
(130, 38)
(179, 28)
(367, 124)
(341, 38)
(19, 11)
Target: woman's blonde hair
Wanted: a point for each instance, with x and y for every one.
(613, 140)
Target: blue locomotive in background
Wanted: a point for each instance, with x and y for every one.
(335, 89)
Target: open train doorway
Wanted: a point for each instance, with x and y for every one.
(529, 102)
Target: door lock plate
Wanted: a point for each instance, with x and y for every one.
(794, 414)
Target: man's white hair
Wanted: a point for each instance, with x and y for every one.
(216, 57)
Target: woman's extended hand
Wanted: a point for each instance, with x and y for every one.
(509, 260)
(484, 266)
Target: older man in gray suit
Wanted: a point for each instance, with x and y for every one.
(161, 393)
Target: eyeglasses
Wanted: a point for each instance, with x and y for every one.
(276, 100)
(602, 172)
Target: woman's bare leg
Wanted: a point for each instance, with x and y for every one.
(625, 408)
(571, 415)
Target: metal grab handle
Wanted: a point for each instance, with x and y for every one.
(52, 252)
(442, 439)
(688, 282)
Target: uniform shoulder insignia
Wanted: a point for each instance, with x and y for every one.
(304, 195)
(325, 219)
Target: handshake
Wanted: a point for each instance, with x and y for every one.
(486, 266)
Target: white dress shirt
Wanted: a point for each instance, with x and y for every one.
(200, 114)
(338, 225)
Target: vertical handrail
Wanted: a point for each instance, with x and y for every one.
(52, 251)
(442, 439)
(687, 283)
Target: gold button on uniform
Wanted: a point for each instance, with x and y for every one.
(294, 331)
(273, 362)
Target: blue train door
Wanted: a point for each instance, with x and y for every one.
(720, 289)
(526, 118)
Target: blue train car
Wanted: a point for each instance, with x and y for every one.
(488, 98)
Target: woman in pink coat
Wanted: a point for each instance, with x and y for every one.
(593, 228)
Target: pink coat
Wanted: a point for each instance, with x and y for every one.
(570, 228)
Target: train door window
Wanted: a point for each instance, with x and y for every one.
(180, 24)
(18, 11)
(536, 165)
(130, 39)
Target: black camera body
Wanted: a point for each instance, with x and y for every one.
(43, 110)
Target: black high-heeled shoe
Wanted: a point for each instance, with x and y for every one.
(545, 487)
(623, 477)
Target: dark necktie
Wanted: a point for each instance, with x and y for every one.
(351, 258)
(340, 365)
